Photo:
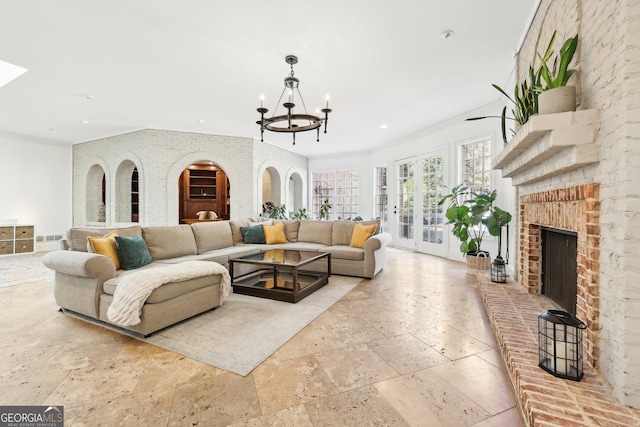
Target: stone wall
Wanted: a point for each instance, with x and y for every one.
(161, 156)
(608, 79)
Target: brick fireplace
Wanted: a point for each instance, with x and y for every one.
(575, 209)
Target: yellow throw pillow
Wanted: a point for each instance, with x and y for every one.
(106, 246)
(361, 233)
(274, 233)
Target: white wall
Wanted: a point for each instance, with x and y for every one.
(36, 177)
(162, 155)
(447, 136)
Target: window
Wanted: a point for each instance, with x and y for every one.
(380, 195)
(341, 189)
(476, 165)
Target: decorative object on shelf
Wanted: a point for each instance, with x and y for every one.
(555, 96)
(472, 214)
(292, 122)
(525, 100)
(560, 344)
(102, 213)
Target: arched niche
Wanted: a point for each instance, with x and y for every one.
(96, 194)
(296, 192)
(204, 187)
(127, 195)
(271, 186)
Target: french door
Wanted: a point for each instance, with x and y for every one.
(420, 222)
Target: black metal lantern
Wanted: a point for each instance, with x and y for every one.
(560, 344)
(498, 267)
(498, 270)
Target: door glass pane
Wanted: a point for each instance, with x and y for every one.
(405, 200)
(432, 191)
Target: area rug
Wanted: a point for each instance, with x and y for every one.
(246, 330)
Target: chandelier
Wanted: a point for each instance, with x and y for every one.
(291, 122)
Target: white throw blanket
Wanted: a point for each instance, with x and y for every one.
(134, 289)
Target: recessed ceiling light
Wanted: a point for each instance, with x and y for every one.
(446, 34)
(85, 122)
(201, 121)
(9, 72)
(383, 126)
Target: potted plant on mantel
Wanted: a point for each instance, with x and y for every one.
(556, 96)
(472, 214)
(530, 97)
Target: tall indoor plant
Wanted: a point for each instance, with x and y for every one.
(472, 214)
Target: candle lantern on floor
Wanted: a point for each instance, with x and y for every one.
(498, 267)
(560, 344)
(498, 270)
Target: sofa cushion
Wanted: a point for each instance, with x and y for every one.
(253, 234)
(77, 236)
(342, 232)
(105, 246)
(235, 230)
(274, 234)
(212, 235)
(168, 290)
(132, 252)
(170, 241)
(345, 252)
(315, 232)
(291, 227)
(361, 233)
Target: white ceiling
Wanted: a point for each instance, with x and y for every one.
(171, 64)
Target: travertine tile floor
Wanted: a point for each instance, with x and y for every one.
(412, 347)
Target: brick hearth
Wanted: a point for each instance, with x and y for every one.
(545, 400)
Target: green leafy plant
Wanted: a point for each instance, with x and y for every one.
(324, 209)
(472, 214)
(358, 218)
(525, 96)
(301, 214)
(559, 74)
(274, 211)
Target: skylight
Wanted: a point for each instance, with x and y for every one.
(9, 72)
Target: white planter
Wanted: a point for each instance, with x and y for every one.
(557, 100)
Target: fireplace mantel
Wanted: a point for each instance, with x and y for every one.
(549, 145)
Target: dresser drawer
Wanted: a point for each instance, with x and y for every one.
(6, 233)
(24, 246)
(24, 232)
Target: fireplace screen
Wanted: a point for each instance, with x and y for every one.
(559, 267)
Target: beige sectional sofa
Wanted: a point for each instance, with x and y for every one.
(85, 282)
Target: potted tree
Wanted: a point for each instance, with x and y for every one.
(555, 96)
(472, 214)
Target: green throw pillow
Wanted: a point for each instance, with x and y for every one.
(132, 252)
(254, 234)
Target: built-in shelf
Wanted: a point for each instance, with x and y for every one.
(549, 145)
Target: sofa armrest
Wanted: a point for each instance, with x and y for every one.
(375, 253)
(81, 264)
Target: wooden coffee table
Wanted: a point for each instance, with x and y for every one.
(278, 274)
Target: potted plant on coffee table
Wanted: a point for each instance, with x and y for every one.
(472, 214)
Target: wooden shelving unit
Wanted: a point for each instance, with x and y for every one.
(203, 187)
